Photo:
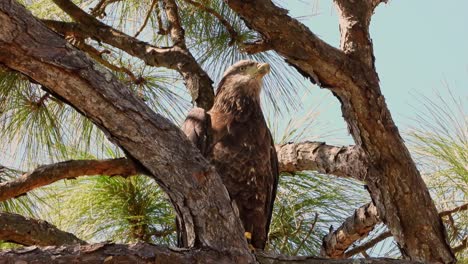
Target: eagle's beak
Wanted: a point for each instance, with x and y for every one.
(262, 69)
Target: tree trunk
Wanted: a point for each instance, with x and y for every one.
(395, 185)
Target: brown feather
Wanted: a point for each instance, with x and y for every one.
(235, 137)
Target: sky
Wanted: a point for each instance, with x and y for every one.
(420, 47)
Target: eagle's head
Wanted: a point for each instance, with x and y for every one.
(244, 77)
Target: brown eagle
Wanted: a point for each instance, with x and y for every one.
(234, 136)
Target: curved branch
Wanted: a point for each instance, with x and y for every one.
(48, 174)
(176, 58)
(27, 231)
(317, 156)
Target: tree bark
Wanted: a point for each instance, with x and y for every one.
(27, 231)
(194, 187)
(146, 253)
(395, 185)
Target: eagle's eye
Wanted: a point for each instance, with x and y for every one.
(242, 68)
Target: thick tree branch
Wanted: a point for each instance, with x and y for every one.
(27, 231)
(194, 187)
(353, 228)
(48, 174)
(317, 156)
(355, 19)
(146, 253)
(177, 58)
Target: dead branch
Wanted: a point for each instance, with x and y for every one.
(27, 231)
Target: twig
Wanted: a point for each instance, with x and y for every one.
(148, 15)
(100, 9)
(161, 29)
(454, 210)
(368, 244)
(307, 236)
(462, 246)
(97, 55)
(226, 24)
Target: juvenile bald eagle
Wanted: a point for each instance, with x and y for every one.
(234, 136)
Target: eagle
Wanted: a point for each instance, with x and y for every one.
(235, 137)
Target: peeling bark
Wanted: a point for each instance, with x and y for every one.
(395, 184)
(194, 187)
(27, 231)
(146, 253)
(48, 174)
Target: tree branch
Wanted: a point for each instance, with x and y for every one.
(369, 244)
(317, 156)
(177, 58)
(354, 28)
(353, 228)
(27, 231)
(175, 28)
(457, 209)
(147, 17)
(147, 253)
(48, 174)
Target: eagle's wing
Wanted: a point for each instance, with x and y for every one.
(274, 185)
(197, 127)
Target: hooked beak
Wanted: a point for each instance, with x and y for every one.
(262, 69)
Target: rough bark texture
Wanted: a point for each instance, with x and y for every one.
(317, 156)
(177, 57)
(353, 228)
(194, 187)
(146, 253)
(26, 231)
(395, 185)
(48, 174)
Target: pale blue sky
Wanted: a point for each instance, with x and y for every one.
(420, 46)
